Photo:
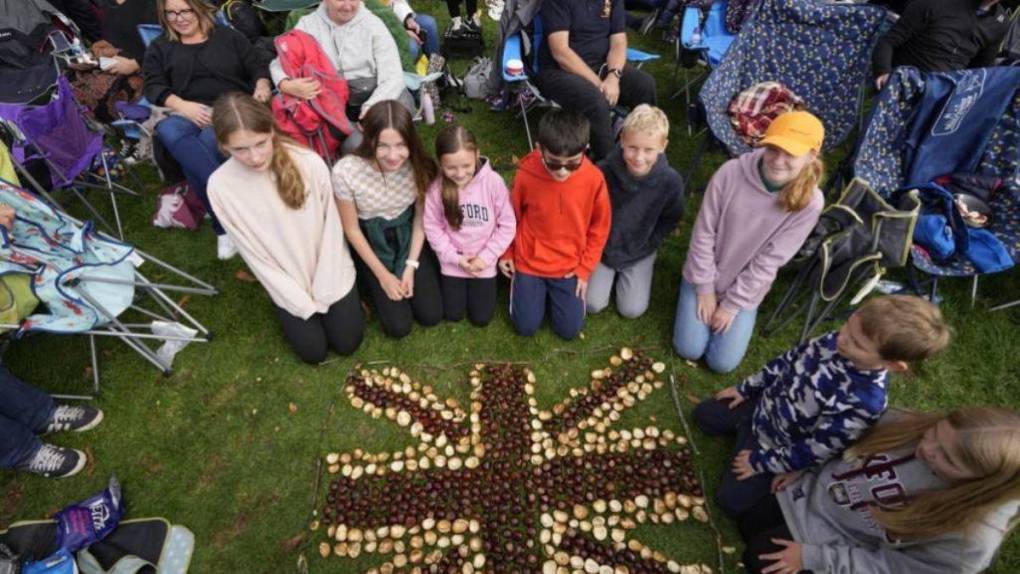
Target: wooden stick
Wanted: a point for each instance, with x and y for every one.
(680, 413)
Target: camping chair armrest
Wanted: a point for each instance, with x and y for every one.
(639, 57)
(512, 51)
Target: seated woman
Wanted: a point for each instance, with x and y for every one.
(186, 69)
(275, 199)
(119, 52)
(757, 211)
(381, 191)
(920, 493)
(364, 53)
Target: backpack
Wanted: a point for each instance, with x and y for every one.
(477, 78)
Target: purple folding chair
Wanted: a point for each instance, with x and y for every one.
(57, 134)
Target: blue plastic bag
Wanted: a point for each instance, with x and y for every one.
(60, 562)
(90, 520)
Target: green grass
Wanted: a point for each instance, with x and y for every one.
(216, 447)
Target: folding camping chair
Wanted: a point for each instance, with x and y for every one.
(522, 88)
(89, 282)
(855, 241)
(885, 158)
(819, 50)
(57, 134)
(704, 39)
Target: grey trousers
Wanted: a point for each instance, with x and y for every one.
(633, 287)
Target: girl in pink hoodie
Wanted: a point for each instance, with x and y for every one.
(469, 223)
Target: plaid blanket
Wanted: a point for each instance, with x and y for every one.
(752, 110)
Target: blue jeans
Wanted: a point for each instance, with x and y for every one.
(195, 149)
(428, 25)
(528, 298)
(24, 413)
(693, 339)
(716, 418)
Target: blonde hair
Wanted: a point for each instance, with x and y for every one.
(453, 139)
(797, 193)
(647, 119)
(990, 448)
(904, 327)
(237, 111)
(204, 12)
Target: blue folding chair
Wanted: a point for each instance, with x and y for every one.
(706, 40)
(526, 91)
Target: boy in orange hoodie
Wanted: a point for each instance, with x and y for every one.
(563, 212)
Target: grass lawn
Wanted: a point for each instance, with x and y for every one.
(229, 444)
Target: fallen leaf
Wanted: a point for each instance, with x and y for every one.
(242, 275)
(694, 400)
(690, 363)
(291, 544)
(292, 408)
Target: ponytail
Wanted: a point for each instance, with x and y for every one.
(289, 183)
(453, 139)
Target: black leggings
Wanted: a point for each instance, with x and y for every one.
(476, 296)
(341, 328)
(454, 7)
(426, 306)
(758, 526)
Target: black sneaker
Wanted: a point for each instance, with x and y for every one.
(77, 418)
(53, 461)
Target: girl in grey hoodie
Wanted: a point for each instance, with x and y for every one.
(921, 493)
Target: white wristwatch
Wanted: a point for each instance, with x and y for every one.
(412, 263)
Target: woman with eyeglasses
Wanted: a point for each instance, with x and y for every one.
(186, 69)
(757, 211)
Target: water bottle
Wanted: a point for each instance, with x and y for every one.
(696, 37)
(427, 110)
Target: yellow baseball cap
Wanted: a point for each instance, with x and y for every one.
(796, 133)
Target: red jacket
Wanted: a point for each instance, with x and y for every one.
(562, 226)
(309, 121)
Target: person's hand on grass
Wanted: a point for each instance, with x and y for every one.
(730, 394)
(742, 465)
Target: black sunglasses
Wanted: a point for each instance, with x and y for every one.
(557, 165)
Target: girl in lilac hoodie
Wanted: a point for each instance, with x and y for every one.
(757, 211)
(469, 223)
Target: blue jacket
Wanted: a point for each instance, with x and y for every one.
(812, 404)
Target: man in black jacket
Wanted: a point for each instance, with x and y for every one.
(941, 35)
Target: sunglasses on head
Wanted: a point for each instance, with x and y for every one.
(558, 165)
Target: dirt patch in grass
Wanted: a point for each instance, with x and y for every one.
(211, 472)
(11, 502)
(238, 525)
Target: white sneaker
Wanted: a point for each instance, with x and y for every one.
(225, 248)
(476, 20)
(457, 24)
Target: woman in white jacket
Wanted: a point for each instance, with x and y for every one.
(362, 50)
